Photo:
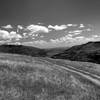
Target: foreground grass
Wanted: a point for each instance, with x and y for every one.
(26, 78)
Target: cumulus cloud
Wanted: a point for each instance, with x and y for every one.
(13, 34)
(57, 27)
(20, 27)
(81, 26)
(7, 27)
(37, 28)
(69, 25)
(6, 35)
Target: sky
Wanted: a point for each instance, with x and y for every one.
(49, 21)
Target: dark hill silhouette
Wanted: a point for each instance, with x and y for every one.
(89, 52)
(29, 50)
(23, 50)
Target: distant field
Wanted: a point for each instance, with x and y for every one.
(38, 78)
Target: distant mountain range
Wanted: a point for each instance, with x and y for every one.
(89, 52)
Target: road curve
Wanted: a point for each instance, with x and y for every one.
(95, 79)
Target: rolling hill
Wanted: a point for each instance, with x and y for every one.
(89, 52)
(23, 50)
(29, 50)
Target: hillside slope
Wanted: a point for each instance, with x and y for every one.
(23, 50)
(38, 78)
(89, 52)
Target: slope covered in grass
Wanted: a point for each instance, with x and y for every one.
(27, 78)
(89, 52)
(22, 50)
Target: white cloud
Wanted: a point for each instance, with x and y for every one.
(24, 34)
(81, 26)
(95, 37)
(69, 35)
(6, 35)
(7, 27)
(62, 39)
(37, 28)
(76, 31)
(55, 40)
(70, 40)
(79, 37)
(40, 23)
(57, 27)
(88, 29)
(67, 40)
(13, 34)
(69, 25)
(20, 27)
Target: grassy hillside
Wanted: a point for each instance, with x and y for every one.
(37, 78)
(89, 52)
(23, 50)
(29, 50)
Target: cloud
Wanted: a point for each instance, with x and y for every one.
(88, 29)
(76, 31)
(40, 23)
(37, 28)
(95, 37)
(62, 39)
(57, 27)
(7, 27)
(81, 26)
(69, 40)
(20, 27)
(69, 25)
(13, 34)
(6, 35)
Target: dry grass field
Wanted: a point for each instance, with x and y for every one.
(37, 78)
